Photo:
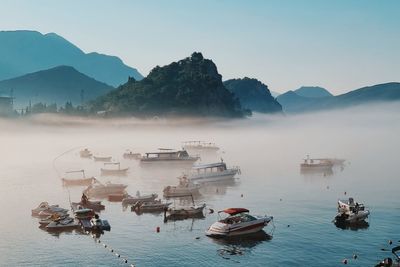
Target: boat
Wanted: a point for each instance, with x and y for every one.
(150, 206)
(213, 172)
(65, 224)
(83, 213)
(45, 210)
(117, 171)
(187, 212)
(168, 155)
(334, 161)
(318, 165)
(389, 262)
(199, 145)
(350, 212)
(131, 155)
(95, 224)
(94, 205)
(85, 153)
(129, 200)
(83, 181)
(184, 188)
(102, 159)
(103, 190)
(238, 222)
(52, 218)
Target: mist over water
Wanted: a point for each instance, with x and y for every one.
(269, 149)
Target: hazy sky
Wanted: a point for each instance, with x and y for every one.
(340, 45)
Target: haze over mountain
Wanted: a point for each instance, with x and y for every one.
(253, 95)
(312, 91)
(23, 52)
(57, 85)
(293, 103)
(189, 87)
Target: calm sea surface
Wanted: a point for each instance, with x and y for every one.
(268, 150)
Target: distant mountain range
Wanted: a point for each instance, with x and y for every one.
(312, 91)
(57, 85)
(189, 87)
(292, 102)
(23, 52)
(253, 95)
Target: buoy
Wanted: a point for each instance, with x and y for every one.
(241, 195)
(105, 245)
(390, 242)
(116, 254)
(198, 237)
(288, 225)
(98, 241)
(158, 229)
(132, 265)
(280, 199)
(344, 261)
(112, 250)
(125, 260)
(355, 256)
(345, 192)
(327, 187)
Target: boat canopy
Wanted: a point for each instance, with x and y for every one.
(211, 165)
(234, 211)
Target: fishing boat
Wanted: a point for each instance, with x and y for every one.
(238, 222)
(94, 205)
(85, 153)
(168, 155)
(350, 212)
(150, 206)
(319, 165)
(129, 200)
(103, 190)
(52, 218)
(45, 210)
(65, 224)
(187, 212)
(213, 172)
(114, 171)
(95, 224)
(83, 213)
(184, 188)
(131, 155)
(83, 181)
(199, 145)
(102, 159)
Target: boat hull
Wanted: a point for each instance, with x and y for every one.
(219, 229)
(114, 172)
(213, 177)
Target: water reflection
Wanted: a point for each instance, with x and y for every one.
(362, 225)
(217, 188)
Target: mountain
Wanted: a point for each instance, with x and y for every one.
(253, 95)
(312, 91)
(274, 94)
(294, 103)
(23, 52)
(56, 85)
(189, 87)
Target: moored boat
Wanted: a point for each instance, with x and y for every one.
(316, 165)
(238, 222)
(199, 146)
(184, 188)
(186, 212)
(114, 171)
(65, 224)
(350, 212)
(129, 200)
(150, 206)
(168, 155)
(102, 159)
(212, 172)
(52, 218)
(131, 155)
(82, 181)
(103, 190)
(45, 210)
(85, 153)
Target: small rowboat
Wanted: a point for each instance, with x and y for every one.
(187, 212)
(118, 171)
(102, 159)
(129, 200)
(83, 181)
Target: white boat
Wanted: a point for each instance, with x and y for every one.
(238, 222)
(129, 200)
(184, 188)
(199, 145)
(212, 172)
(85, 153)
(102, 159)
(350, 212)
(168, 155)
(65, 224)
(103, 190)
(318, 165)
(114, 171)
(131, 155)
(45, 210)
(187, 212)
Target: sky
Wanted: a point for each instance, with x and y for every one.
(340, 45)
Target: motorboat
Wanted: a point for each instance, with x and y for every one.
(102, 159)
(316, 165)
(131, 155)
(184, 188)
(212, 172)
(238, 222)
(129, 200)
(150, 206)
(82, 181)
(96, 224)
(103, 190)
(114, 171)
(350, 212)
(168, 155)
(89, 204)
(187, 212)
(82, 213)
(45, 210)
(85, 153)
(199, 145)
(65, 224)
(52, 218)
(335, 161)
